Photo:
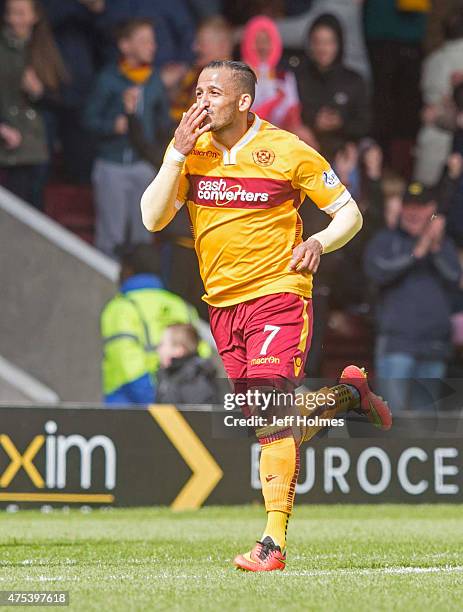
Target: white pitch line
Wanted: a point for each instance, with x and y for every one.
(446, 569)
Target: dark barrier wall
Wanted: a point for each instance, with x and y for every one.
(162, 455)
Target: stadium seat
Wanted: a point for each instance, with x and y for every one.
(72, 207)
(339, 349)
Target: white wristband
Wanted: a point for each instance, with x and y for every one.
(175, 155)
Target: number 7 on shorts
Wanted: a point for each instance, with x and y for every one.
(273, 329)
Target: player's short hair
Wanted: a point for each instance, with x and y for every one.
(126, 28)
(244, 74)
(184, 335)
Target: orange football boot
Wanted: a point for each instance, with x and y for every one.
(266, 556)
(371, 405)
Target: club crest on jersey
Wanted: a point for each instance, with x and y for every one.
(263, 157)
(330, 178)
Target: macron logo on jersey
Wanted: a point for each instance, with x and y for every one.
(222, 192)
(208, 154)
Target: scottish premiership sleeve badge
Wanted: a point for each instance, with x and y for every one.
(330, 178)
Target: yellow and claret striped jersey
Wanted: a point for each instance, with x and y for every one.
(243, 204)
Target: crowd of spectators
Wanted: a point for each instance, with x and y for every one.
(90, 92)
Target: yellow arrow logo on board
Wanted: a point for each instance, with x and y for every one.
(206, 472)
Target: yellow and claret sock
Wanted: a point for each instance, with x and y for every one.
(279, 469)
(276, 528)
(346, 397)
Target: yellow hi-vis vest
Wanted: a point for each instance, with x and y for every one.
(131, 326)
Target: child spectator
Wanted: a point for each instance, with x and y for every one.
(120, 176)
(184, 377)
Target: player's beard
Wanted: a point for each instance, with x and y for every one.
(222, 122)
(220, 125)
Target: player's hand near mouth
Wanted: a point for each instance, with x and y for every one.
(158, 204)
(190, 129)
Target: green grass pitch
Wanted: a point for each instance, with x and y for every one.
(387, 557)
